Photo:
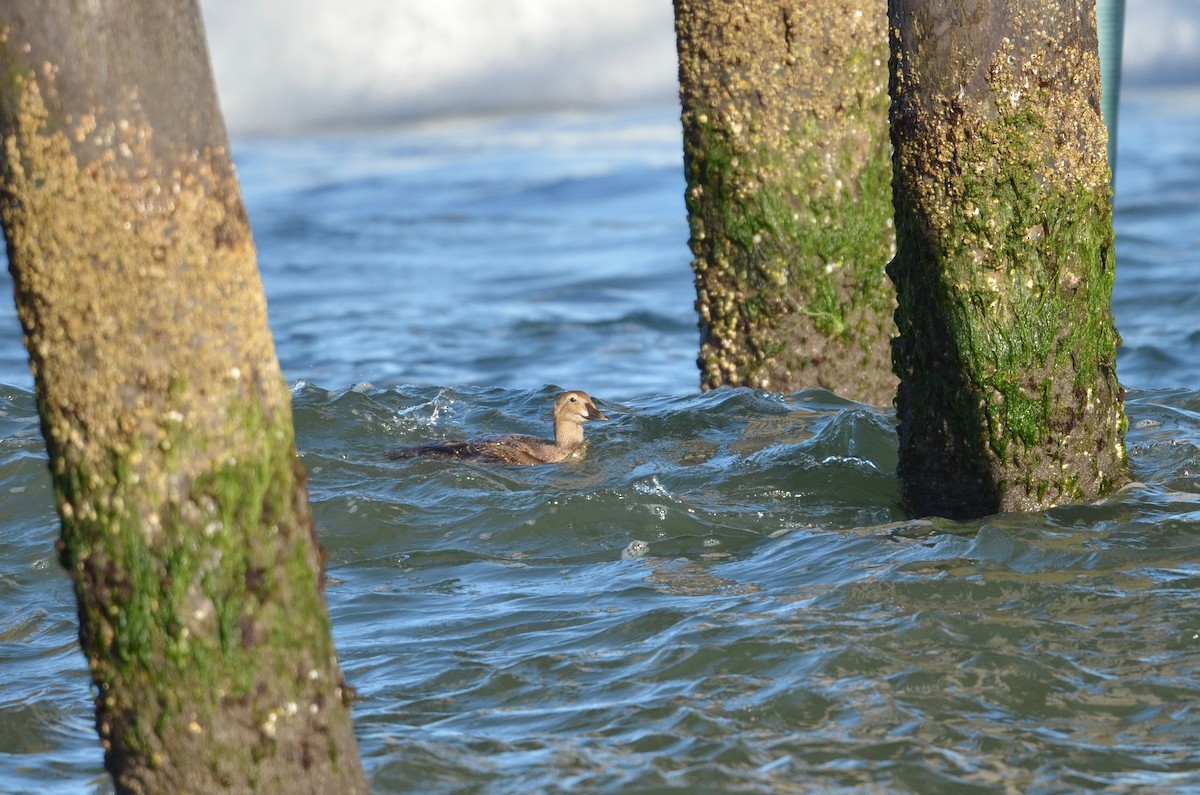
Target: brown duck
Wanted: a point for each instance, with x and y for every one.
(571, 411)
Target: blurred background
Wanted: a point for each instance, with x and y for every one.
(300, 65)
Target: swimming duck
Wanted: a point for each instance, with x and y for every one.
(571, 411)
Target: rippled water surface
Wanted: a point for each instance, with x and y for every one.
(724, 595)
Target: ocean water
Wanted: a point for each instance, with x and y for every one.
(725, 595)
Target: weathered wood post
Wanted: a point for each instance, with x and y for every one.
(185, 521)
(788, 169)
(1006, 352)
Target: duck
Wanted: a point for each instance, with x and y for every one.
(571, 410)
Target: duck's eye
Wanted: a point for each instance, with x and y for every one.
(574, 400)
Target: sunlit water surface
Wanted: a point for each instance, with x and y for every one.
(724, 596)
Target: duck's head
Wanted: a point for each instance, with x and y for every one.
(576, 407)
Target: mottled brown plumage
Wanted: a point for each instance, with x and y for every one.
(571, 410)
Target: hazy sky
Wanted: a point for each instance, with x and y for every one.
(293, 63)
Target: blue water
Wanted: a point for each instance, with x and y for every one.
(725, 595)
(513, 253)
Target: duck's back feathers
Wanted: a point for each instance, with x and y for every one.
(494, 450)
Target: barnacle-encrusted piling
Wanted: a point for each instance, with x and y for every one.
(787, 164)
(1004, 268)
(185, 520)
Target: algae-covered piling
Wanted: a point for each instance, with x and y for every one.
(788, 197)
(1004, 268)
(185, 521)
